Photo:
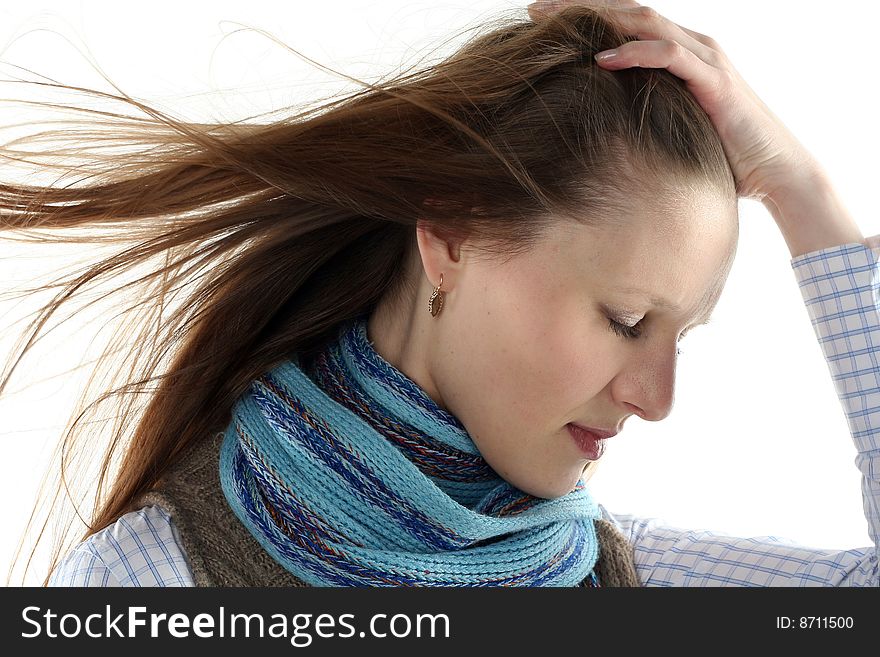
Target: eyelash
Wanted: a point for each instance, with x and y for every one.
(633, 332)
(624, 331)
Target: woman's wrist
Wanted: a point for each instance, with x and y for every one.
(810, 213)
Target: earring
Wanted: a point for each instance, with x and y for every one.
(435, 303)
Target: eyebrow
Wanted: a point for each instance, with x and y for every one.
(660, 302)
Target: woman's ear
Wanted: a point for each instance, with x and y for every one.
(440, 253)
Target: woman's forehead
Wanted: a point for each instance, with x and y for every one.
(677, 266)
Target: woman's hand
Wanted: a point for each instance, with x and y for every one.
(764, 156)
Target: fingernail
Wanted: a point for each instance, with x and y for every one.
(605, 55)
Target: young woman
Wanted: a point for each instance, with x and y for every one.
(418, 314)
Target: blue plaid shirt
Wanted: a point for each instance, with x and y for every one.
(840, 288)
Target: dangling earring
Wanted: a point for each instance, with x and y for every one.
(435, 303)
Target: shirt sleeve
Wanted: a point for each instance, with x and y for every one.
(140, 549)
(82, 567)
(841, 289)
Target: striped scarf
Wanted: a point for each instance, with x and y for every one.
(348, 474)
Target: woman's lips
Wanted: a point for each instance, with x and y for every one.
(590, 444)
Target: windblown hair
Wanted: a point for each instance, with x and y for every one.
(252, 241)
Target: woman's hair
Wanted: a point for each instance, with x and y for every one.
(247, 242)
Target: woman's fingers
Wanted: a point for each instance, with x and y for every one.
(709, 45)
(641, 21)
(665, 53)
(647, 24)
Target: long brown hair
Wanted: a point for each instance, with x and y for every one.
(252, 240)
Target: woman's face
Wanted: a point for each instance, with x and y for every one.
(521, 349)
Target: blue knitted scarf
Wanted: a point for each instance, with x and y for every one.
(348, 474)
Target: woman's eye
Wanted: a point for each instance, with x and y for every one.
(624, 331)
(633, 332)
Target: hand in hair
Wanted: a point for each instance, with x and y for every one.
(764, 155)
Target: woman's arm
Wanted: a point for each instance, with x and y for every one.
(83, 566)
(810, 214)
(671, 556)
(139, 549)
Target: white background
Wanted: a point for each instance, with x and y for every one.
(757, 442)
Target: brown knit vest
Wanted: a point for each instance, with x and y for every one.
(222, 552)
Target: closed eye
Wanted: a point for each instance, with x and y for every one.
(624, 331)
(634, 332)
